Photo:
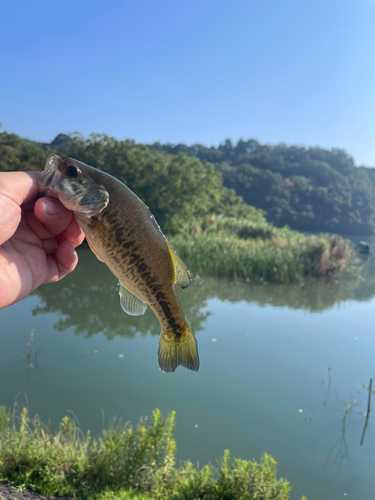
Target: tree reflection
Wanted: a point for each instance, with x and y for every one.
(87, 300)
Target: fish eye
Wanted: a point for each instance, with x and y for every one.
(71, 171)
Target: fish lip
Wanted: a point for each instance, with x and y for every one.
(50, 177)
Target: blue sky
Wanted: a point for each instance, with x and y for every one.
(300, 72)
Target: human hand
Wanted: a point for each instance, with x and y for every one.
(37, 237)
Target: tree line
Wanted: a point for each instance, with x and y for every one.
(180, 190)
(309, 189)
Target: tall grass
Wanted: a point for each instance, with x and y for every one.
(241, 249)
(125, 462)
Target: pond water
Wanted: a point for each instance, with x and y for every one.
(283, 369)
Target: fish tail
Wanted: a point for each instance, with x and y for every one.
(177, 350)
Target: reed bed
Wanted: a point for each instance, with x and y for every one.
(234, 248)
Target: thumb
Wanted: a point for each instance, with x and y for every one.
(15, 188)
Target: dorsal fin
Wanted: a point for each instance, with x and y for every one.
(182, 275)
(131, 304)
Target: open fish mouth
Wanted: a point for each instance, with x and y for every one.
(50, 176)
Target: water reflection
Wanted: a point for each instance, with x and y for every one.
(87, 300)
(341, 445)
(351, 420)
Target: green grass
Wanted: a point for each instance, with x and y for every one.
(235, 248)
(124, 463)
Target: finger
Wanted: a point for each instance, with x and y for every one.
(66, 257)
(73, 233)
(53, 215)
(50, 246)
(36, 226)
(62, 263)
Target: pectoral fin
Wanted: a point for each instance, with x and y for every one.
(182, 275)
(130, 302)
(93, 249)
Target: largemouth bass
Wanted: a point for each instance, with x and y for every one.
(123, 234)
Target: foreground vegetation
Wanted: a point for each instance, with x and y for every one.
(208, 224)
(125, 462)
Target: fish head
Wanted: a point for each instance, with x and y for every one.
(70, 181)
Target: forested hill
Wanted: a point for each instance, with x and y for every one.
(310, 189)
(181, 191)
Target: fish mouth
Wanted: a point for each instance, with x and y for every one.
(50, 176)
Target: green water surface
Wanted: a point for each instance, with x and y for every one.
(282, 370)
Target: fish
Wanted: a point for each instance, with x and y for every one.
(122, 233)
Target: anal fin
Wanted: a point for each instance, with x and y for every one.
(130, 303)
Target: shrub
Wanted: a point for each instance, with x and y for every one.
(124, 463)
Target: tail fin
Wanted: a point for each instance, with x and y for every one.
(174, 351)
